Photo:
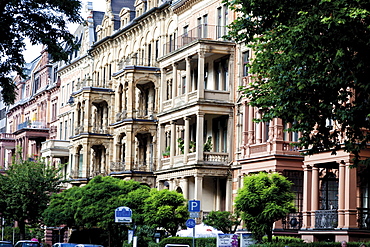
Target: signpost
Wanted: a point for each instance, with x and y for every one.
(194, 209)
(124, 215)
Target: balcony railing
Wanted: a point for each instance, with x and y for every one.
(203, 31)
(363, 218)
(326, 219)
(32, 125)
(7, 136)
(137, 60)
(117, 166)
(293, 221)
(216, 157)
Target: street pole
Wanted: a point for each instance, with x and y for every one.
(193, 236)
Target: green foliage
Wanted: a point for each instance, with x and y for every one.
(62, 208)
(25, 191)
(208, 145)
(167, 152)
(223, 221)
(43, 22)
(311, 57)
(94, 204)
(199, 242)
(165, 209)
(264, 199)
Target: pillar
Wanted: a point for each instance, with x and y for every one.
(307, 193)
(173, 142)
(187, 79)
(198, 189)
(186, 139)
(199, 137)
(200, 91)
(341, 194)
(315, 194)
(350, 212)
(174, 83)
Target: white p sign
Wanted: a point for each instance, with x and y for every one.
(194, 206)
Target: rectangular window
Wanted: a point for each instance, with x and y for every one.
(205, 26)
(65, 130)
(149, 54)
(183, 85)
(245, 58)
(219, 22)
(60, 130)
(156, 49)
(199, 24)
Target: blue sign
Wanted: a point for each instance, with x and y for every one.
(194, 206)
(190, 223)
(123, 215)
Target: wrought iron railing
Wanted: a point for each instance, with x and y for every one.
(326, 219)
(292, 221)
(203, 31)
(363, 218)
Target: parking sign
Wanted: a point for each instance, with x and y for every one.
(194, 206)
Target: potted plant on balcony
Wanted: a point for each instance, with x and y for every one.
(180, 142)
(192, 146)
(166, 153)
(208, 145)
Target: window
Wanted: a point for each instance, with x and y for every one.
(65, 129)
(328, 188)
(183, 85)
(156, 49)
(220, 134)
(205, 26)
(149, 54)
(219, 22)
(245, 63)
(61, 130)
(221, 68)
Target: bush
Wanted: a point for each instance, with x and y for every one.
(199, 242)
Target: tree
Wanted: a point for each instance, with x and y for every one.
(25, 191)
(62, 208)
(264, 199)
(42, 22)
(167, 209)
(93, 206)
(311, 68)
(224, 221)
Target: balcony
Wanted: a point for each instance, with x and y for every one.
(136, 60)
(204, 31)
(273, 147)
(326, 219)
(216, 96)
(55, 148)
(31, 125)
(363, 218)
(209, 158)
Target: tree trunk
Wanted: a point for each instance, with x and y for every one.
(269, 235)
(22, 229)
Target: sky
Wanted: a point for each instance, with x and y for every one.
(33, 52)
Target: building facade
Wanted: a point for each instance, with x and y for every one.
(153, 95)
